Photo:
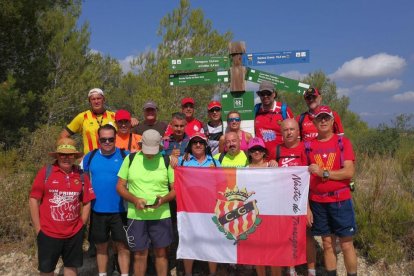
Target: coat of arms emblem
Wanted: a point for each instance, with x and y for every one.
(236, 217)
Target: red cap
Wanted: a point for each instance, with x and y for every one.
(186, 101)
(200, 135)
(122, 114)
(213, 104)
(323, 109)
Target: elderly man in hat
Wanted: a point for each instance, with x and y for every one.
(59, 207)
(269, 115)
(150, 188)
(150, 110)
(89, 121)
(307, 129)
(332, 167)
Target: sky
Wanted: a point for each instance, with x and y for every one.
(365, 47)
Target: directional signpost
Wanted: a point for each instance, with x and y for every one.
(274, 58)
(281, 83)
(199, 63)
(199, 78)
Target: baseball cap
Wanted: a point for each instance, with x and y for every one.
(95, 91)
(122, 114)
(323, 109)
(199, 135)
(150, 104)
(186, 101)
(311, 91)
(266, 86)
(151, 141)
(256, 142)
(213, 104)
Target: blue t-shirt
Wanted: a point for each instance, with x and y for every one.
(192, 162)
(103, 171)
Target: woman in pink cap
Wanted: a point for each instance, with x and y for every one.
(257, 154)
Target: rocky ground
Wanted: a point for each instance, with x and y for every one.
(17, 263)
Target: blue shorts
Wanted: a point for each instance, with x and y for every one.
(142, 234)
(336, 218)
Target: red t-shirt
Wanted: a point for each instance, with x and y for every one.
(60, 197)
(267, 127)
(328, 156)
(309, 131)
(292, 156)
(192, 127)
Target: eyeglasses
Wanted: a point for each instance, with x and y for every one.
(324, 117)
(106, 140)
(201, 142)
(122, 122)
(230, 120)
(215, 109)
(264, 93)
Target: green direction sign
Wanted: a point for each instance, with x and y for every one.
(199, 78)
(281, 83)
(243, 102)
(197, 63)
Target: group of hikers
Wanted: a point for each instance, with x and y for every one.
(124, 185)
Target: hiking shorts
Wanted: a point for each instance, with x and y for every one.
(142, 234)
(108, 225)
(50, 249)
(336, 218)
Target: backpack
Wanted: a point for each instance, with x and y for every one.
(340, 145)
(278, 155)
(283, 109)
(123, 154)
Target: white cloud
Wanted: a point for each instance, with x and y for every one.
(384, 86)
(294, 74)
(404, 97)
(342, 91)
(94, 51)
(374, 66)
(126, 63)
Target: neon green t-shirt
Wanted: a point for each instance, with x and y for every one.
(147, 178)
(240, 160)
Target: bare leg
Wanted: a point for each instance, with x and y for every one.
(123, 257)
(212, 267)
(140, 262)
(46, 274)
(102, 257)
(188, 266)
(161, 261)
(276, 270)
(70, 271)
(310, 250)
(260, 270)
(329, 252)
(350, 258)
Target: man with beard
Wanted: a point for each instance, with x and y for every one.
(234, 157)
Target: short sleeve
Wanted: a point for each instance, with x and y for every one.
(38, 184)
(76, 125)
(88, 193)
(123, 171)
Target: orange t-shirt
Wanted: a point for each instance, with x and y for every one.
(122, 142)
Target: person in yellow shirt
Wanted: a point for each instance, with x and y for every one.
(125, 139)
(88, 122)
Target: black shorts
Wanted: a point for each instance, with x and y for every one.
(50, 249)
(107, 225)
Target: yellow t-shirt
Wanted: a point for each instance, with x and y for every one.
(88, 124)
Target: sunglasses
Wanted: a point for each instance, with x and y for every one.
(201, 142)
(106, 140)
(259, 149)
(215, 109)
(230, 120)
(324, 117)
(264, 93)
(122, 122)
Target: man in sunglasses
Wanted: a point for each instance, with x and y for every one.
(125, 139)
(307, 129)
(269, 116)
(330, 197)
(214, 127)
(108, 216)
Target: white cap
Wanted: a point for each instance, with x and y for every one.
(95, 91)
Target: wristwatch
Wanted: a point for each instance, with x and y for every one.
(325, 174)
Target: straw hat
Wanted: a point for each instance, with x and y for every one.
(66, 146)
